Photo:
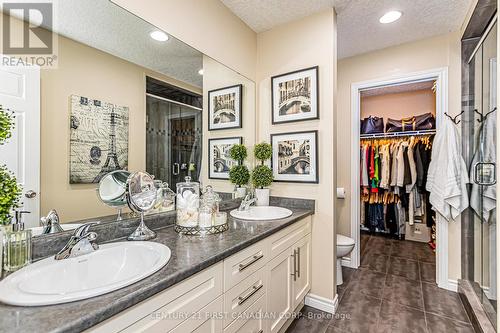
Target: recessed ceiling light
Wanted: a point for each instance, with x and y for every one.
(390, 17)
(159, 36)
(200, 71)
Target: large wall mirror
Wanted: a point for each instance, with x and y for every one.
(124, 95)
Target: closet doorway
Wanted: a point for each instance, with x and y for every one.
(388, 215)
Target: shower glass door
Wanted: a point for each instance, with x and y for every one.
(173, 140)
(483, 171)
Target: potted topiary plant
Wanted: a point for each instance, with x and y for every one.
(262, 175)
(6, 125)
(10, 191)
(239, 174)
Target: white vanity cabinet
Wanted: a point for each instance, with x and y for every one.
(253, 291)
(289, 272)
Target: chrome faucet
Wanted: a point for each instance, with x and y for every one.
(81, 242)
(51, 223)
(246, 202)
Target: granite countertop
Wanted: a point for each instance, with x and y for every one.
(189, 256)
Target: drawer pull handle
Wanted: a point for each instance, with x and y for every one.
(255, 259)
(298, 262)
(243, 299)
(294, 273)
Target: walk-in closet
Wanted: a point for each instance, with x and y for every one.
(397, 128)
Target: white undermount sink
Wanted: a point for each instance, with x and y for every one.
(111, 267)
(259, 213)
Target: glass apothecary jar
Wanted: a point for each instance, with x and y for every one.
(188, 205)
(165, 199)
(211, 221)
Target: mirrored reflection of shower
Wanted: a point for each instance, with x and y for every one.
(173, 133)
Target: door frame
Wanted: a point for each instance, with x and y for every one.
(440, 75)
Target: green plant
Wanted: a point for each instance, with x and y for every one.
(239, 175)
(10, 192)
(6, 124)
(262, 176)
(263, 151)
(238, 153)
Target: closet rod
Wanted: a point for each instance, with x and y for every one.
(397, 134)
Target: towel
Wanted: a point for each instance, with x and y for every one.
(447, 176)
(485, 152)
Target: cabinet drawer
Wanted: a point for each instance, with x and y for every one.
(207, 320)
(252, 320)
(285, 238)
(167, 309)
(244, 263)
(245, 293)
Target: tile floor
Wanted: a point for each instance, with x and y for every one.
(394, 290)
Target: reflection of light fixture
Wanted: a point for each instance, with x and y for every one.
(390, 17)
(159, 36)
(200, 71)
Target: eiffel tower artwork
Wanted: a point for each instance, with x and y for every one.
(98, 139)
(111, 163)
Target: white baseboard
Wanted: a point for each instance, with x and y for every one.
(321, 303)
(451, 285)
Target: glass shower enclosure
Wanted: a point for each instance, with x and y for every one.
(173, 140)
(479, 135)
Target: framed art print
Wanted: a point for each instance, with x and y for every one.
(224, 108)
(295, 157)
(295, 96)
(219, 160)
(98, 139)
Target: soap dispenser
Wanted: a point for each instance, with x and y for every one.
(17, 245)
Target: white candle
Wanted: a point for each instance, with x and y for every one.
(205, 220)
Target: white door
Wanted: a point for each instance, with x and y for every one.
(20, 92)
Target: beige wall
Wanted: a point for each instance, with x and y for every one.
(300, 44)
(218, 76)
(437, 52)
(399, 105)
(207, 25)
(87, 72)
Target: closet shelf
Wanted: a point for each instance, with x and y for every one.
(398, 134)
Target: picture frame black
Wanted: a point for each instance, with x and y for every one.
(238, 122)
(314, 96)
(212, 174)
(313, 178)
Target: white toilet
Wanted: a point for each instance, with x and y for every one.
(344, 247)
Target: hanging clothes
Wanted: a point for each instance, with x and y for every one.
(447, 176)
(364, 165)
(391, 171)
(385, 167)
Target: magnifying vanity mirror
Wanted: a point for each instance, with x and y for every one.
(141, 197)
(112, 189)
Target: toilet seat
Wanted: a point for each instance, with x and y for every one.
(344, 240)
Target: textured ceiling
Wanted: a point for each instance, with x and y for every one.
(107, 27)
(359, 30)
(400, 88)
(262, 15)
